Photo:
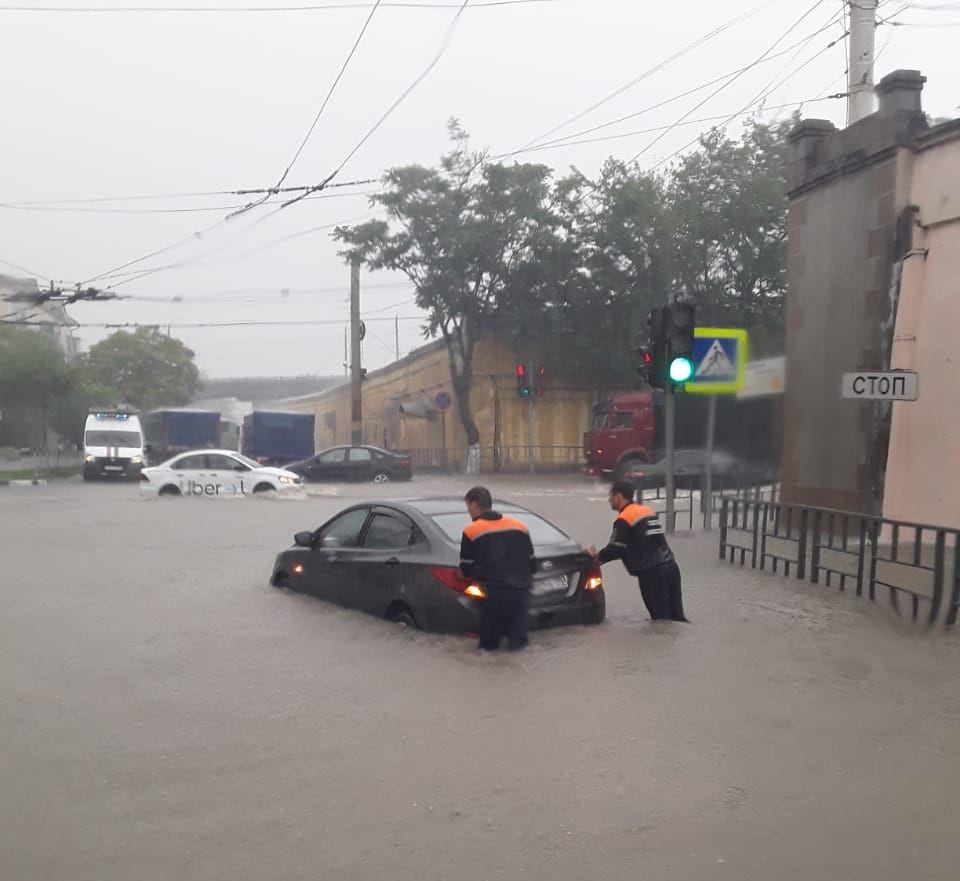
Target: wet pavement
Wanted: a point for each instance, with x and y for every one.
(164, 714)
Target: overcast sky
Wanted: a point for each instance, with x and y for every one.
(100, 105)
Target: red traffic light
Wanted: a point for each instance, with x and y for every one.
(521, 371)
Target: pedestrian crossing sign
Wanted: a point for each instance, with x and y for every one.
(720, 360)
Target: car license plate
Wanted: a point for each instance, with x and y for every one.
(113, 467)
(550, 585)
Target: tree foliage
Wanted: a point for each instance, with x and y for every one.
(146, 368)
(469, 235)
(34, 379)
(577, 263)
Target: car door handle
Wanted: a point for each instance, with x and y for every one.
(393, 561)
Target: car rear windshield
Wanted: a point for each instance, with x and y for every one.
(541, 532)
(112, 438)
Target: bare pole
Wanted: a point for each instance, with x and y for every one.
(396, 333)
(533, 467)
(356, 376)
(707, 489)
(863, 30)
(669, 422)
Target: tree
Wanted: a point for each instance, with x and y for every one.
(34, 379)
(147, 368)
(609, 269)
(728, 230)
(468, 236)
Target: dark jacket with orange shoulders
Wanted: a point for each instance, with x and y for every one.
(496, 551)
(638, 540)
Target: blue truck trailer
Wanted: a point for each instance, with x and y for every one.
(168, 432)
(274, 437)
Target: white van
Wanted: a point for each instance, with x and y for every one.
(112, 445)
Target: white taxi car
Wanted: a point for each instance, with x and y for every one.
(216, 473)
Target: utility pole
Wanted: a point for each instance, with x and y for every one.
(396, 333)
(706, 495)
(356, 376)
(863, 30)
(533, 468)
(668, 418)
(346, 351)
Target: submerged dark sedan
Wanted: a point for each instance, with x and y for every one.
(400, 561)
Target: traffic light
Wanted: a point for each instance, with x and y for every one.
(645, 363)
(541, 381)
(523, 387)
(653, 358)
(680, 323)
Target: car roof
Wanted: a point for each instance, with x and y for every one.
(430, 505)
(204, 452)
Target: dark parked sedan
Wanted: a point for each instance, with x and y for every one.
(361, 463)
(400, 561)
(689, 468)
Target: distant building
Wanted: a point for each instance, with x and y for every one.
(49, 318)
(410, 405)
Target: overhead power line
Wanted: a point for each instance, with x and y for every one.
(733, 79)
(198, 209)
(556, 145)
(650, 72)
(24, 270)
(313, 7)
(204, 193)
(316, 119)
(666, 101)
(760, 97)
(107, 325)
(447, 37)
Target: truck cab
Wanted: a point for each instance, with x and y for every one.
(622, 431)
(112, 445)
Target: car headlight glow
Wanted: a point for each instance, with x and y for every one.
(136, 460)
(288, 481)
(89, 458)
(475, 591)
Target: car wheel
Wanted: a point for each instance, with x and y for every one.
(596, 614)
(625, 466)
(381, 477)
(401, 614)
(263, 488)
(169, 491)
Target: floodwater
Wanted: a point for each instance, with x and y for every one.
(164, 714)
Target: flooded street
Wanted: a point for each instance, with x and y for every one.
(165, 714)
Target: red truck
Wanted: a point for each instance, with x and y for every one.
(623, 430)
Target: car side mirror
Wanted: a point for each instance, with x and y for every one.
(147, 448)
(303, 539)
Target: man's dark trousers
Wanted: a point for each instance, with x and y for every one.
(504, 614)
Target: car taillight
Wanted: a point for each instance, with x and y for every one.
(453, 579)
(404, 463)
(592, 579)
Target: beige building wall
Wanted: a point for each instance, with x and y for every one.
(923, 464)
(400, 413)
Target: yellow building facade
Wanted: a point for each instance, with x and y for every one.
(403, 409)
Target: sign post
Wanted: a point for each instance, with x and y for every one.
(443, 402)
(720, 366)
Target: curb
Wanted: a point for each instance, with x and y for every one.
(23, 482)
